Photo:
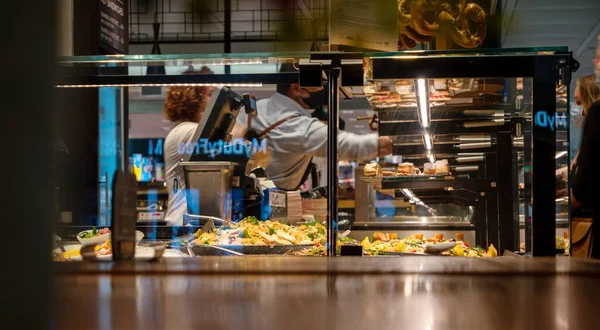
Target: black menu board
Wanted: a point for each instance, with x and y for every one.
(113, 19)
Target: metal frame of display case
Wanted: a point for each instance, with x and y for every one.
(545, 70)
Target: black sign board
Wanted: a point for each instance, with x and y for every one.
(113, 24)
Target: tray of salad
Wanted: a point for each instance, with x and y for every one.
(251, 236)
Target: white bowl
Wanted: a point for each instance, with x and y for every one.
(94, 240)
(103, 238)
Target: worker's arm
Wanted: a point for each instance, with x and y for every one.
(309, 135)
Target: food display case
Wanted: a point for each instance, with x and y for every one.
(479, 134)
(482, 135)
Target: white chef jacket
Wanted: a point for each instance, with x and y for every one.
(296, 141)
(177, 137)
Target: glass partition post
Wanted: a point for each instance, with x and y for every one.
(563, 162)
(543, 157)
(526, 163)
(333, 75)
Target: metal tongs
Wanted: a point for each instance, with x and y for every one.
(430, 250)
(192, 219)
(439, 248)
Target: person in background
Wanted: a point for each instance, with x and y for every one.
(586, 93)
(295, 137)
(184, 106)
(586, 176)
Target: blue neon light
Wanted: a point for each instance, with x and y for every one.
(542, 119)
(236, 147)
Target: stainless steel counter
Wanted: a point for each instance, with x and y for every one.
(320, 293)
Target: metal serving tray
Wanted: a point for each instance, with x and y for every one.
(208, 250)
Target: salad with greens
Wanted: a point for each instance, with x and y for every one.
(93, 233)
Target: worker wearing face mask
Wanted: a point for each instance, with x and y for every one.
(294, 136)
(586, 93)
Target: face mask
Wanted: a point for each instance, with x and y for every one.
(316, 100)
(577, 117)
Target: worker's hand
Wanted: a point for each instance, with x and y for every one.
(385, 145)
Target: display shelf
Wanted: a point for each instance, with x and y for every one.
(387, 224)
(491, 111)
(185, 59)
(481, 185)
(439, 127)
(437, 149)
(380, 179)
(418, 178)
(470, 52)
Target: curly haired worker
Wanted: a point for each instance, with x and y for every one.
(183, 105)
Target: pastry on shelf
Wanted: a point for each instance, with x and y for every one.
(409, 97)
(440, 84)
(403, 87)
(439, 96)
(441, 167)
(456, 84)
(429, 169)
(407, 169)
(373, 169)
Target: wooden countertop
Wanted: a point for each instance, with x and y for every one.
(321, 293)
(340, 265)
